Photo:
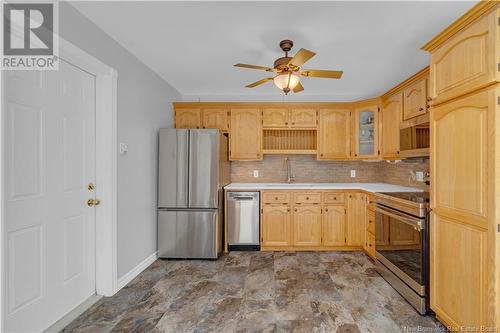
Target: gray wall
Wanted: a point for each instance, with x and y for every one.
(144, 105)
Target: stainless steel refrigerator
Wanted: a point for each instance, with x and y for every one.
(193, 168)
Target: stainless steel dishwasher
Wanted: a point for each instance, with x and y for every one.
(243, 220)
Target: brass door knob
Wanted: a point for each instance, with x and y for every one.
(93, 202)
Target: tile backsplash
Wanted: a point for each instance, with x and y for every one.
(306, 168)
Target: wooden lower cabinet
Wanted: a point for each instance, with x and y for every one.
(333, 225)
(356, 215)
(276, 226)
(311, 220)
(307, 226)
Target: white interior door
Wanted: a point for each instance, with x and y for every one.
(50, 160)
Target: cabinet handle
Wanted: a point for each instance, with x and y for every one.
(429, 99)
(293, 123)
(288, 210)
(307, 198)
(295, 209)
(355, 154)
(275, 198)
(320, 154)
(421, 109)
(334, 198)
(326, 209)
(286, 123)
(197, 126)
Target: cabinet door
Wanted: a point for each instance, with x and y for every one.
(276, 226)
(415, 100)
(307, 226)
(461, 157)
(334, 134)
(303, 118)
(356, 216)
(275, 117)
(215, 118)
(366, 132)
(391, 118)
(466, 61)
(187, 118)
(333, 225)
(246, 134)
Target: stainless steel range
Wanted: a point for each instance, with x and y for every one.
(402, 244)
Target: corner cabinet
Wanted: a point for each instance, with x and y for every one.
(392, 108)
(334, 134)
(365, 132)
(246, 134)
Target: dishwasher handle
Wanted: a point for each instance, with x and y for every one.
(243, 196)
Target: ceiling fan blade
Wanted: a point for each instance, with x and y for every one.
(298, 88)
(301, 57)
(258, 83)
(322, 73)
(255, 67)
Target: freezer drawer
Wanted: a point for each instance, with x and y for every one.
(243, 218)
(188, 234)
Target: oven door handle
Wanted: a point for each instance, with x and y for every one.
(416, 223)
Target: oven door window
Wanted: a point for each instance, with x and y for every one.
(400, 244)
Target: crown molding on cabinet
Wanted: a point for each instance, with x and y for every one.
(424, 72)
(469, 17)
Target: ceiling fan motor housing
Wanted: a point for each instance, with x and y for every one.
(286, 45)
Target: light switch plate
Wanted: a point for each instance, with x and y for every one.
(256, 173)
(353, 173)
(419, 176)
(123, 148)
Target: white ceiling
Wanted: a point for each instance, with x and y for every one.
(193, 45)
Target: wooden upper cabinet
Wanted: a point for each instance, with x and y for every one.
(333, 225)
(275, 117)
(276, 226)
(415, 99)
(365, 132)
(334, 134)
(187, 118)
(466, 61)
(391, 117)
(303, 118)
(307, 226)
(215, 118)
(246, 134)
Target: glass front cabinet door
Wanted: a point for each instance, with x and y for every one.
(365, 124)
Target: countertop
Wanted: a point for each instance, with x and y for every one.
(368, 187)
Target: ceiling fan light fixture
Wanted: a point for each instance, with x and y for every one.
(286, 81)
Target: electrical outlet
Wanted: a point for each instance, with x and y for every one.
(353, 173)
(256, 173)
(123, 148)
(419, 176)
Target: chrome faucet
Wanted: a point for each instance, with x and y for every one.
(288, 168)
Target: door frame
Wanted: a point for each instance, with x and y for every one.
(106, 280)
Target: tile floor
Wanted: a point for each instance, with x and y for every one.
(257, 292)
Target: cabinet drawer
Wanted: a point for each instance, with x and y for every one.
(370, 245)
(310, 198)
(276, 197)
(371, 222)
(333, 198)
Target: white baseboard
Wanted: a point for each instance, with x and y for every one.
(124, 280)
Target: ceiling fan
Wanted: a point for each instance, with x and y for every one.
(288, 70)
